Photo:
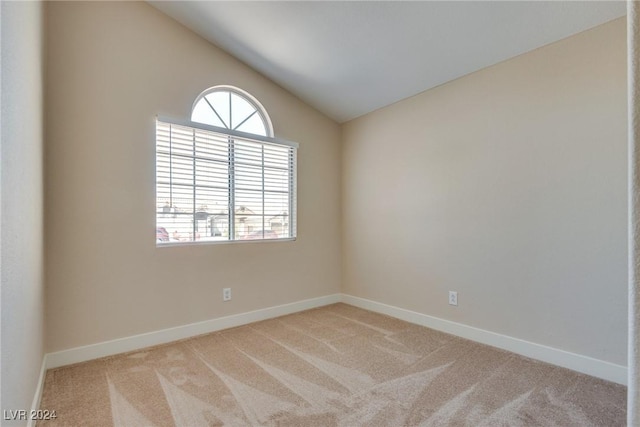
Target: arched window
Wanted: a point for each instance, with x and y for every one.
(222, 176)
(230, 108)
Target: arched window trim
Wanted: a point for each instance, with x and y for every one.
(261, 111)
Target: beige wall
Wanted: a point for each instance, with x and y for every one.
(21, 228)
(508, 186)
(112, 67)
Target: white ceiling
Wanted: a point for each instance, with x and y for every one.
(349, 58)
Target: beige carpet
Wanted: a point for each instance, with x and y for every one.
(333, 366)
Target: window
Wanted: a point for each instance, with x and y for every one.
(229, 108)
(222, 176)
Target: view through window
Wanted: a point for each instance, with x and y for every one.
(225, 179)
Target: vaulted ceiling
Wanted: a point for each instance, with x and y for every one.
(349, 58)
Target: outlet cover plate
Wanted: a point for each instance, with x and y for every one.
(453, 298)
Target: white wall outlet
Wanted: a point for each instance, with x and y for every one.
(453, 298)
(226, 294)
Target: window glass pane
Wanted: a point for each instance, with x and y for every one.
(212, 146)
(181, 141)
(254, 125)
(248, 178)
(248, 215)
(276, 180)
(276, 156)
(220, 102)
(249, 203)
(248, 153)
(202, 113)
(163, 200)
(176, 214)
(181, 170)
(163, 170)
(276, 204)
(278, 226)
(211, 217)
(241, 109)
(212, 174)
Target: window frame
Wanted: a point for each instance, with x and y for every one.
(242, 94)
(241, 135)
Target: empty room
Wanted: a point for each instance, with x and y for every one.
(319, 213)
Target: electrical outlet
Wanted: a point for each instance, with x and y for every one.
(453, 298)
(226, 294)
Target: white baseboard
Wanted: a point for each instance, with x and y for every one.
(584, 364)
(136, 342)
(37, 398)
(576, 362)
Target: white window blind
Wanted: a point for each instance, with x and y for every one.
(215, 185)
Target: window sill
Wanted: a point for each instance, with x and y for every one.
(223, 242)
